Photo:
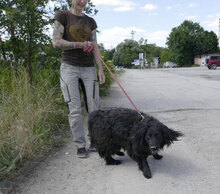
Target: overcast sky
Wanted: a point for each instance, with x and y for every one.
(151, 19)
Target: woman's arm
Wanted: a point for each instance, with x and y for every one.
(97, 57)
(59, 42)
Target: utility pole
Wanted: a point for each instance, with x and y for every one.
(132, 34)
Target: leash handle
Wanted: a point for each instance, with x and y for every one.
(122, 89)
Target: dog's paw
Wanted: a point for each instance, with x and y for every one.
(120, 153)
(113, 162)
(157, 157)
(147, 174)
(117, 162)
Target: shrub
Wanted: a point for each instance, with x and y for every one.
(195, 65)
(108, 78)
(30, 118)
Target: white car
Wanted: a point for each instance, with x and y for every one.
(169, 64)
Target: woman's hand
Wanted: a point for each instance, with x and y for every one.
(101, 76)
(88, 47)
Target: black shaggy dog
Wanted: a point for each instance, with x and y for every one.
(114, 129)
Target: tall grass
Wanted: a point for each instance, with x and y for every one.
(31, 118)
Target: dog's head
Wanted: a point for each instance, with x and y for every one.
(155, 135)
(154, 138)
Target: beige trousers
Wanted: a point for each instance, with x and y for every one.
(70, 79)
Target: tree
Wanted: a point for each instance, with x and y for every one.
(207, 43)
(106, 54)
(24, 25)
(188, 40)
(126, 52)
(151, 51)
(24, 22)
(166, 55)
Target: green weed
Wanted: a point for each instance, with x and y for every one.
(31, 117)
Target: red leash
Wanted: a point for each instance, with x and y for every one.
(122, 88)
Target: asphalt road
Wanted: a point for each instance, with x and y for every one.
(185, 99)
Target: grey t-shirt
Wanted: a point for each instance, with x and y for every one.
(76, 29)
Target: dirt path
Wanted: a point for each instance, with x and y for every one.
(180, 98)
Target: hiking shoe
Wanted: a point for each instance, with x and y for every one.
(81, 153)
(92, 148)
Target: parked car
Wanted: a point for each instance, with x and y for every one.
(169, 64)
(213, 62)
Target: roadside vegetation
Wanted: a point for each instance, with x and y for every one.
(33, 118)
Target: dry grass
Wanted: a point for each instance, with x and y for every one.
(29, 117)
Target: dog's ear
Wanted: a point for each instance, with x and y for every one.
(169, 135)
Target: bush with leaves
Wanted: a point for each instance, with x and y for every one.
(108, 78)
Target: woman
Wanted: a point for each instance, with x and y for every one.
(75, 33)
